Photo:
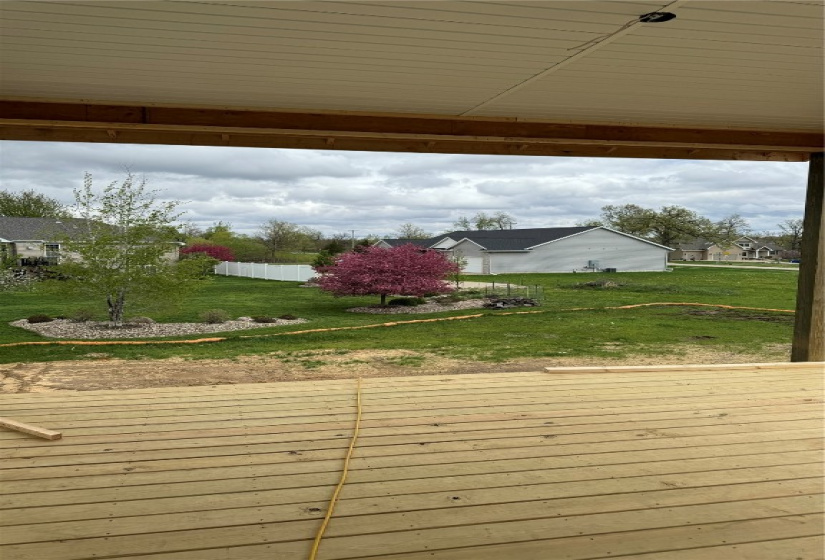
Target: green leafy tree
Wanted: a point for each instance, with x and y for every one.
(120, 250)
(324, 258)
(628, 218)
(29, 204)
(666, 226)
(589, 223)
(244, 247)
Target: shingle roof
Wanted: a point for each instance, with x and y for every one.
(513, 239)
(399, 242)
(37, 229)
(695, 245)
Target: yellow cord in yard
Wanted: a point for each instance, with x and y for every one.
(334, 499)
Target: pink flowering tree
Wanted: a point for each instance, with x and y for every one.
(403, 271)
(218, 252)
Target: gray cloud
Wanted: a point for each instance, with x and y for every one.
(374, 193)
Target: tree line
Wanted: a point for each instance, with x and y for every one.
(672, 225)
(281, 241)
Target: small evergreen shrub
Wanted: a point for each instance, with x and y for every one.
(40, 318)
(214, 316)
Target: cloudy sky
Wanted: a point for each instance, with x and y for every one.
(374, 193)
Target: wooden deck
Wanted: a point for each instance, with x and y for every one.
(675, 464)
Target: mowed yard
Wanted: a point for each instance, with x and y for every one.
(558, 330)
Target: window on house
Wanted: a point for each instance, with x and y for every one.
(52, 253)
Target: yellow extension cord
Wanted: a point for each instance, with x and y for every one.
(317, 543)
(359, 327)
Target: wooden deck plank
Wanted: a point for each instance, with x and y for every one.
(382, 401)
(426, 433)
(424, 510)
(219, 495)
(417, 410)
(234, 394)
(595, 464)
(445, 441)
(130, 486)
(462, 451)
(186, 438)
(639, 544)
(376, 537)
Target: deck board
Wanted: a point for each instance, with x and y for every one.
(683, 463)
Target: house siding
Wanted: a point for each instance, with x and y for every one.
(611, 250)
(467, 249)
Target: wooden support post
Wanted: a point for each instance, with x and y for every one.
(809, 330)
(29, 429)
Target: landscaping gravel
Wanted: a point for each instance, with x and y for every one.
(65, 328)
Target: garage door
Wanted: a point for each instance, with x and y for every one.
(474, 265)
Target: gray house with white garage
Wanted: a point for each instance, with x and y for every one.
(562, 249)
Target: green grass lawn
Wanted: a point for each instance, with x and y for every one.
(739, 263)
(493, 337)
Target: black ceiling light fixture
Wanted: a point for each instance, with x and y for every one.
(657, 17)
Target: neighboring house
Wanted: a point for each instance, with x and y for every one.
(33, 241)
(564, 249)
(742, 249)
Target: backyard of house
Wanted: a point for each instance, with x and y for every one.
(198, 452)
(577, 324)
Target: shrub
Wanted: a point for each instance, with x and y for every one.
(214, 316)
(217, 252)
(40, 318)
(198, 265)
(407, 301)
(81, 315)
(287, 317)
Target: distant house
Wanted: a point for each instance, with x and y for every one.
(564, 249)
(35, 241)
(742, 249)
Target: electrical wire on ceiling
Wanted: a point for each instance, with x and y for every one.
(663, 14)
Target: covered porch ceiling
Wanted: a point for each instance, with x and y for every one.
(723, 80)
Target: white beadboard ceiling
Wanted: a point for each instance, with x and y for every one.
(740, 64)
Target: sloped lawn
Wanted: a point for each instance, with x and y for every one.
(555, 331)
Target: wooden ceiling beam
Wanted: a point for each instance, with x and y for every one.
(135, 124)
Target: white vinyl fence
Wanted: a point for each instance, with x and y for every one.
(264, 271)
